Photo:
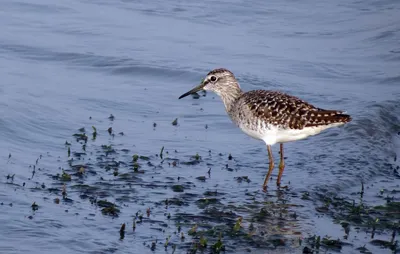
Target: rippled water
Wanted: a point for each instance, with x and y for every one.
(70, 64)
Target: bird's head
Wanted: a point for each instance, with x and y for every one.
(218, 80)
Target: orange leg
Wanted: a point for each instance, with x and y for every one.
(281, 167)
(271, 167)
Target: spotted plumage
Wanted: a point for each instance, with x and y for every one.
(271, 116)
(283, 110)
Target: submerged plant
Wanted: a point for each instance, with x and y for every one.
(94, 134)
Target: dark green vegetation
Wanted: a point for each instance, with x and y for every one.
(196, 203)
(374, 221)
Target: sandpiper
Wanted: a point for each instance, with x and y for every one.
(271, 116)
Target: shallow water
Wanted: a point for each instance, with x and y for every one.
(70, 64)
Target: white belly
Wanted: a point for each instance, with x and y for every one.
(275, 135)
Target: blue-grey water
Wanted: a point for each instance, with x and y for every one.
(70, 64)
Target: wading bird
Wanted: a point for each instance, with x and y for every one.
(271, 116)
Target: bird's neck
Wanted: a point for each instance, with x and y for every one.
(229, 95)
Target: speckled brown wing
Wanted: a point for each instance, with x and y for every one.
(288, 111)
(326, 117)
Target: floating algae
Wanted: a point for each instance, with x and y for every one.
(183, 210)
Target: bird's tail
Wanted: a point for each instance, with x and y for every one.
(326, 117)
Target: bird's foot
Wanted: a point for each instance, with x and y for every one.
(264, 188)
(278, 184)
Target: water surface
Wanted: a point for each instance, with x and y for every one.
(70, 64)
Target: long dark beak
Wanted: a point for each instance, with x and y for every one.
(194, 90)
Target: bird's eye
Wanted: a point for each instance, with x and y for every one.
(213, 78)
